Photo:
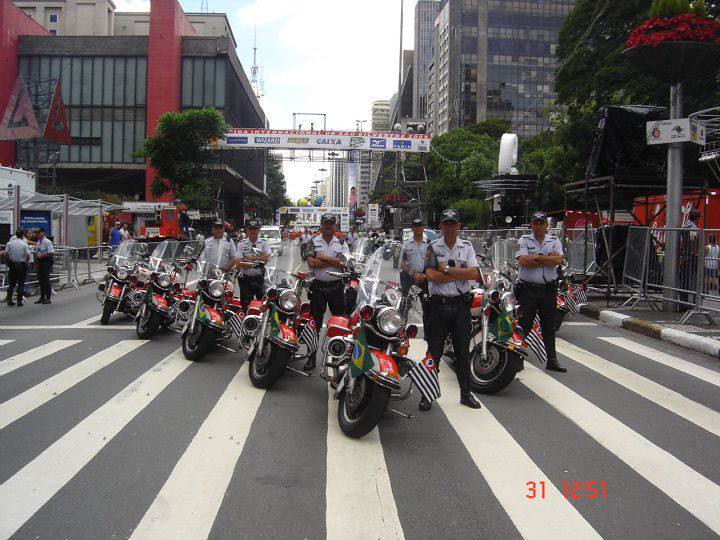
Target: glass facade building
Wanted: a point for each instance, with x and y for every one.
(425, 13)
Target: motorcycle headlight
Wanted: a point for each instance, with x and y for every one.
(509, 302)
(216, 289)
(122, 273)
(389, 321)
(164, 281)
(358, 268)
(288, 301)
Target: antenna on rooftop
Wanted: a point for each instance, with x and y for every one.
(256, 79)
(204, 6)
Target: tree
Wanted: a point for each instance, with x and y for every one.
(180, 153)
(493, 127)
(276, 191)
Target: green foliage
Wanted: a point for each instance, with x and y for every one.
(700, 8)
(475, 213)
(493, 127)
(196, 194)
(276, 192)
(179, 151)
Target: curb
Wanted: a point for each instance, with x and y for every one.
(683, 339)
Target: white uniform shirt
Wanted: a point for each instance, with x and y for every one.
(44, 246)
(330, 249)
(245, 248)
(17, 250)
(463, 256)
(414, 254)
(218, 252)
(528, 245)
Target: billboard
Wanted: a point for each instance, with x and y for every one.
(675, 131)
(34, 219)
(323, 140)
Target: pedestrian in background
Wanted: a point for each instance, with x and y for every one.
(712, 261)
(29, 239)
(689, 253)
(19, 256)
(115, 237)
(124, 233)
(44, 254)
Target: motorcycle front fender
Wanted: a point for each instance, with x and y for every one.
(516, 352)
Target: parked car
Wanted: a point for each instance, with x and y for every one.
(273, 235)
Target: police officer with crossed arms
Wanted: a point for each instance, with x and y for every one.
(251, 280)
(539, 254)
(450, 267)
(326, 290)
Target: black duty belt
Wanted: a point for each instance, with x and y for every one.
(445, 300)
(537, 285)
(328, 284)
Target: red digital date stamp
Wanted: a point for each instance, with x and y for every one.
(574, 490)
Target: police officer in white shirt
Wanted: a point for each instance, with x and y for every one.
(451, 267)
(218, 250)
(326, 290)
(44, 253)
(412, 269)
(18, 255)
(539, 255)
(251, 280)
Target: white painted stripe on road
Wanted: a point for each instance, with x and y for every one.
(33, 355)
(699, 372)
(698, 414)
(578, 323)
(359, 502)
(681, 483)
(69, 327)
(5, 341)
(31, 399)
(91, 320)
(36, 483)
(188, 503)
(507, 467)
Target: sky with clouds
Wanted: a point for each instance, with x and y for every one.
(320, 56)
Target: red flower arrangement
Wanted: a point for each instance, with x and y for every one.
(683, 27)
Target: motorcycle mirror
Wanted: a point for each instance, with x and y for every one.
(415, 290)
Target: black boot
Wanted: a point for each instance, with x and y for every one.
(554, 365)
(467, 399)
(425, 405)
(309, 365)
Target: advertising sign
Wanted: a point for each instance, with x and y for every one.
(373, 213)
(34, 219)
(674, 131)
(6, 217)
(323, 140)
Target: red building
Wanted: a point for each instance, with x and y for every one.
(116, 87)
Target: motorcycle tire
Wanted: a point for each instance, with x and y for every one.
(146, 327)
(272, 368)
(108, 309)
(195, 348)
(359, 413)
(496, 373)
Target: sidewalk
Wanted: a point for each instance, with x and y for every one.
(698, 335)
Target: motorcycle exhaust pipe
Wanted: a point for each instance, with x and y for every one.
(336, 347)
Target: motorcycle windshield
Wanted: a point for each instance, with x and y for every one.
(164, 255)
(378, 282)
(281, 270)
(128, 254)
(208, 269)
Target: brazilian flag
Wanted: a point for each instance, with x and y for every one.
(275, 322)
(361, 359)
(502, 326)
(201, 313)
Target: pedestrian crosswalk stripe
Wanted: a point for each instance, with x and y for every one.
(31, 399)
(32, 355)
(36, 483)
(699, 372)
(359, 502)
(86, 322)
(188, 503)
(688, 409)
(5, 341)
(684, 485)
(506, 467)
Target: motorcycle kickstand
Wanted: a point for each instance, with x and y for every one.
(408, 416)
(298, 371)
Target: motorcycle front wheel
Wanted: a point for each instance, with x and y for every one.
(265, 371)
(360, 411)
(495, 372)
(147, 324)
(198, 342)
(108, 309)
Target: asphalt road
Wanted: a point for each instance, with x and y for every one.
(106, 436)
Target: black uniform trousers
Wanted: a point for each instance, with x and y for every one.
(405, 283)
(542, 299)
(44, 268)
(251, 288)
(326, 294)
(451, 317)
(16, 278)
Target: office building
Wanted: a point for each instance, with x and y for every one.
(425, 13)
(495, 59)
(380, 115)
(115, 88)
(338, 193)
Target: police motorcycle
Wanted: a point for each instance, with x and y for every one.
(214, 309)
(496, 349)
(161, 297)
(376, 335)
(117, 292)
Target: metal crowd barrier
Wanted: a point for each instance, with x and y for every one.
(697, 287)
